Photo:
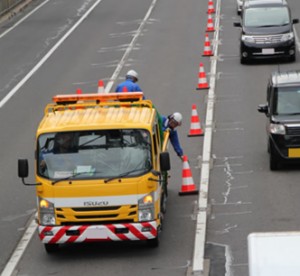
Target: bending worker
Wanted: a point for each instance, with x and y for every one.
(171, 122)
(130, 83)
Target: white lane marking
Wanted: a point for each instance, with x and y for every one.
(200, 235)
(227, 229)
(234, 213)
(45, 58)
(129, 49)
(231, 203)
(17, 254)
(24, 18)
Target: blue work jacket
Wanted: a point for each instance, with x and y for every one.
(130, 85)
(173, 136)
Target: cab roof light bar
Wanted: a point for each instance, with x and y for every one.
(98, 97)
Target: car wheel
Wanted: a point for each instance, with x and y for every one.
(243, 60)
(293, 58)
(51, 247)
(274, 159)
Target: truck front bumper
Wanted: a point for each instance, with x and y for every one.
(98, 233)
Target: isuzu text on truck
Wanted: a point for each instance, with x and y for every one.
(101, 167)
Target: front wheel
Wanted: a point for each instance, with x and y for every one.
(153, 243)
(51, 247)
(274, 159)
(243, 60)
(293, 58)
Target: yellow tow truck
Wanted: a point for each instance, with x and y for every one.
(110, 182)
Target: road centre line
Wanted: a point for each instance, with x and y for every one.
(47, 56)
(31, 229)
(129, 49)
(200, 233)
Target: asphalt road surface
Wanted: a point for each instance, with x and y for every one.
(65, 45)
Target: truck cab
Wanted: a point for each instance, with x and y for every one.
(283, 118)
(101, 170)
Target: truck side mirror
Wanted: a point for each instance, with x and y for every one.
(23, 168)
(23, 171)
(295, 21)
(165, 161)
(263, 108)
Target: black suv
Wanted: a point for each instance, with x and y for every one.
(267, 31)
(283, 112)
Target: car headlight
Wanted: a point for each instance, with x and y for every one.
(247, 38)
(46, 212)
(277, 129)
(146, 208)
(288, 36)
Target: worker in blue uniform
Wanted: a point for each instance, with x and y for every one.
(171, 122)
(130, 83)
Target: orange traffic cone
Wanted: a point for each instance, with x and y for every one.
(202, 81)
(78, 91)
(125, 89)
(195, 129)
(207, 49)
(188, 187)
(210, 24)
(210, 7)
(100, 86)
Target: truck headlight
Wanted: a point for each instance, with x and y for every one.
(146, 208)
(277, 129)
(46, 212)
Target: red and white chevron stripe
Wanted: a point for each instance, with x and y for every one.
(94, 233)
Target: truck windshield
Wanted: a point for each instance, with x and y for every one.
(94, 154)
(286, 101)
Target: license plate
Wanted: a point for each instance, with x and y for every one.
(96, 233)
(294, 152)
(268, 51)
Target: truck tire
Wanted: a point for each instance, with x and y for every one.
(153, 243)
(51, 247)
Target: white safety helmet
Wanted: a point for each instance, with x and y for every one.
(177, 117)
(132, 73)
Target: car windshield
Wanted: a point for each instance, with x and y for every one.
(94, 154)
(266, 16)
(287, 101)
